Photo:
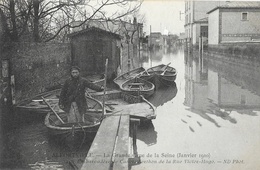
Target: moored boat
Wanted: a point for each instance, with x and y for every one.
(129, 75)
(161, 75)
(83, 130)
(36, 104)
(137, 87)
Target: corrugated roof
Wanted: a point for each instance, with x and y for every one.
(94, 29)
(238, 5)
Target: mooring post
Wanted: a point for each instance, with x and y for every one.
(135, 123)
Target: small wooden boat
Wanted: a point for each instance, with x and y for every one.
(92, 117)
(161, 75)
(137, 87)
(35, 104)
(129, 75)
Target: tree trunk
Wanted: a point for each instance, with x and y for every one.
(14, 34)
(36, 36)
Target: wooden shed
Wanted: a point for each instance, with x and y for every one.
(90, 48)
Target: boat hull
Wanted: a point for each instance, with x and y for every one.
(76, 130)
(129, 75)
(36, 105)
(160, 77)
(137, 87)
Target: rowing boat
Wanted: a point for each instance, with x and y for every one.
(92, 120)
(137, 87)
(129, 75)
(36, 104)
(161, 75)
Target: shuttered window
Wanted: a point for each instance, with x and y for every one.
(244, 16)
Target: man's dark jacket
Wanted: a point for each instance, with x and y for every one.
(73, 90)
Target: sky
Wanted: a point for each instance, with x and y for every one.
(163, 16)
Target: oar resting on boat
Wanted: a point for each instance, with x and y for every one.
(52, 110)
(165, 69)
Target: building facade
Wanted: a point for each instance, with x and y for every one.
(234, 22)
(155, 40)
(196, 23)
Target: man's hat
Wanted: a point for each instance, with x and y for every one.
(75, 68)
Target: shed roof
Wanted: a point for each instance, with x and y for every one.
(238, 5)
(87, 30)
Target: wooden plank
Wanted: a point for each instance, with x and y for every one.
(100, 153)
(141, 110)
(121, 151)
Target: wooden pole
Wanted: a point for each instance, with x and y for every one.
(52, 110)
(105, 84)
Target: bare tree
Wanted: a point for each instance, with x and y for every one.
(47, 20)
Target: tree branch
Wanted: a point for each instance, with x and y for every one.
(68, 25)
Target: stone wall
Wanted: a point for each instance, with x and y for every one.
(38, 67)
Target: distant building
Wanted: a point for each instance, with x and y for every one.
(155, 40)
(234, 22)
(181, 38)
(196, 23)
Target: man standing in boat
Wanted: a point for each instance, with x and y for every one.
(72, 97)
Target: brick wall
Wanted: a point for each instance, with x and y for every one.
(38, 67)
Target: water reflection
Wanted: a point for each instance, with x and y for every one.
(212, 87)
(163, 95)
(156, 55)
(147, 134)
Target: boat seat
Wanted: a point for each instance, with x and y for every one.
(136, 84)
(135, 88)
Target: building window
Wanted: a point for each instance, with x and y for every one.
(244, 16)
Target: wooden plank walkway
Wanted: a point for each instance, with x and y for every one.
(110, 147)
(122, 146)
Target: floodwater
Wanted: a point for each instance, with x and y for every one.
(208, 119)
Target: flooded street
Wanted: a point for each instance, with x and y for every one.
(209, 119)
(212, 123)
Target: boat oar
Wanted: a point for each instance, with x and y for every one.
(139, 74)
(52, 110)
(88, 93)
(165, 69)
(105, 84)
(147, 72)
